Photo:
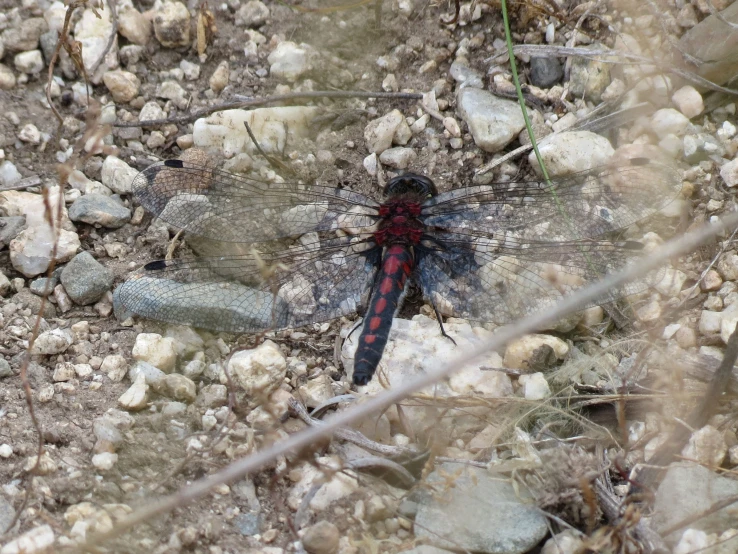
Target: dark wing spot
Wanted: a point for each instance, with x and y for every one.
(156, 265)
(174, 163)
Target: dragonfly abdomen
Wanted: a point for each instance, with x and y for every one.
(397, 265)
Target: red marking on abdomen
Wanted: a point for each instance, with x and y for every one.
(374, 323)
(386, 285)
(380, 305)
(391, 265)
(369, 339)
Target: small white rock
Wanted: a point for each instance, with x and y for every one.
(191, 70)
(316, 391)
(571, 152)
(115, 367)
(123, 85)
(172, 24)
(371, 164)
(38, 539)
(31, 62)
(389, 84)
(494, 122)
(51, 342)
(117, 175)
(693, 540)
(452, 126)
(46, 464)
(180, 388)
(668, 120)
(219, 78)
(258, 371)
(420, 124)
(136, 397)
(7, 78)
(688, 101)
(471, 380)
(379, 133)
(104, 461)
(519, 352)
(63, 372)
(6, 451)
(398, 157)
(161, 352)
(535, 386)
(289, 61)
(153, 376)
(729, 173)
(30, 133)
(728, 321)
(671, 283)
(706, 446)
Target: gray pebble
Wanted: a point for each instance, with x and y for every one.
(494, 122)
(545, 72)
(9, 174)
(43, 285)
(85, 279)
(153, 375)
(7, 514)
(105, 429)
(212, 396)
(506, 524)
(248, 524)
(98, 209)
(588, 79)
(5, 369)
(252, 14)
(10, 227)
(5, 285)
(465, 76)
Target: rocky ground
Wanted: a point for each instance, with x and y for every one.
(528, 451)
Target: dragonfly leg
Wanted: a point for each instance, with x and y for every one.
(440, 322)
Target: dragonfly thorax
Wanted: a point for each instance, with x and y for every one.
(410, 184)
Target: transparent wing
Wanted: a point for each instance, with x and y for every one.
(222, 206)
(500, 282)
(582, 206)
(290, 288)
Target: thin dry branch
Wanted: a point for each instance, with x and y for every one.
(111, 38)
(256, 102)
(352, 436)
(308, 437)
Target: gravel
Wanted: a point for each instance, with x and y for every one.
(131, 406)
(85, 279)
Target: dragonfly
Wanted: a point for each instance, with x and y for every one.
(283, 254)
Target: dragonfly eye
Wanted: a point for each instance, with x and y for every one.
(411, 183)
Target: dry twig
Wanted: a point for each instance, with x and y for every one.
(256, 102)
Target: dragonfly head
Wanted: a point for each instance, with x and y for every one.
(410, 183)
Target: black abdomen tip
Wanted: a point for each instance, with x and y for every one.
(361, 379)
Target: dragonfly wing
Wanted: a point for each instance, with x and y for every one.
(581, 206)
(218, 205)
(256, 292)
(499, 283)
